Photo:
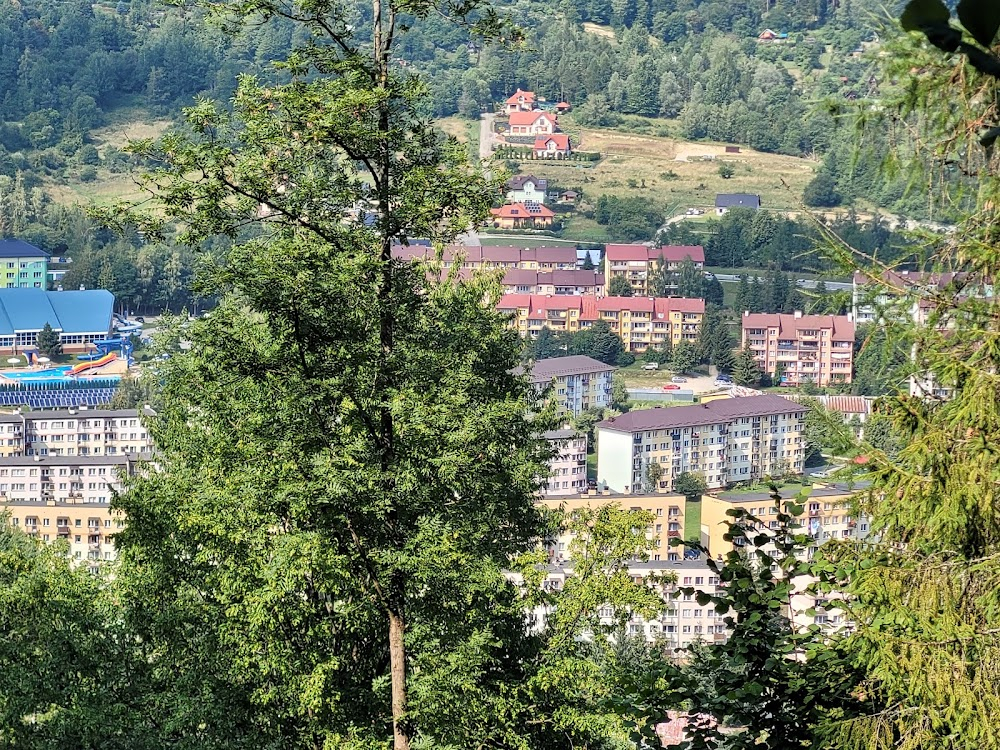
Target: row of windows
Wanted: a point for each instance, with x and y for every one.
(77, 522)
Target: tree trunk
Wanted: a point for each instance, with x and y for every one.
(397, 662)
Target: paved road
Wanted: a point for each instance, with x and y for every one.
(833, 286)
(486, 135)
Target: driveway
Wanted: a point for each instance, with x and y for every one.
(486, 135)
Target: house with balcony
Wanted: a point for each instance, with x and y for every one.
(526, 187)
(22, 265)
(637, 263)
(796, 348)
(726, 441)
(578, 383)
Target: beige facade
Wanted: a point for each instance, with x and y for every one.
(637, 263)
(726, 441)
(66, 498)
(641, 322)
(73, 432)
(668, 520)
(802, 348)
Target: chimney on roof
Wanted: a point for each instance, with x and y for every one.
(746, 313)
(797, 314)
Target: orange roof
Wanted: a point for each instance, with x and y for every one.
(528, 96)
(560, 139)
(520, 211)
(562, 105)
(841, 327)
(528, 118)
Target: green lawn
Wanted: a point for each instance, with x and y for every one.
(692, 520)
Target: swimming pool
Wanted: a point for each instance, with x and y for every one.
(50, 376)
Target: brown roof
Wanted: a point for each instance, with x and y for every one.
(518, 181)
(842, 326)
(566, 277)
(721, 410)
(671, 253)
(545, 369)
(564, 254)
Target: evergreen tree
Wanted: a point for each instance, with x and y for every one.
(588, 262)
(743, 299)
(48, 342)
(746, 372)
(758, 296)
(690, 279)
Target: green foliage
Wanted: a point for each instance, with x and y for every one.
(726, 171)
(619, 393)
(48, 342)
(690, 484)
(746, 372)
(684, 357)
(631, 219)
(777, 686)
(619, 286)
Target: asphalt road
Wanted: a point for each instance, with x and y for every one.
(833, 286)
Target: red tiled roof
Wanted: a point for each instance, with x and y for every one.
(671, 253)
(540, 303)
(560, 139)
(529, 96)
(527, 118)
(841, 326)
(564, 254)
(520, 211)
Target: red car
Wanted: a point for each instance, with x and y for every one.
(671, 387)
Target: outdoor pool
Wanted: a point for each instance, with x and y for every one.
(51, 376)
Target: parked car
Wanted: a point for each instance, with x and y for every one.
(678, 379)
(651, 366)
(671, 387)
(139, 319)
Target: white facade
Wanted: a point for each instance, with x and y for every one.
(73, 432)
(725, 441)
(568, 467)
(529, 191)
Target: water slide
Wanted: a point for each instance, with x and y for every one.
(84, 366)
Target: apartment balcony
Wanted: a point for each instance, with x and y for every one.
(673, 534)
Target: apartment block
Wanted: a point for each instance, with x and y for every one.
(479, 257)
(639, 321)
(826, 515)
(568, 467)
(544, 283)
(726, 441)
(637, 263)
(73, 432)
(902, 296)
(67, 497)
(668, 520)
(22, 265)
(681, 622)
(578, 383)
(801, 348)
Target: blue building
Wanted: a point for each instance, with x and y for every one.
(80, 317)
(22, 265)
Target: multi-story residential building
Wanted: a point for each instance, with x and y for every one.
(66, 497)
(726, 441)
(637, 262)
(73, 432)
(568, 467)
(639, 321)
(801, 348)
(481, 257)
(579, 282)
(901, 295)
(578, 383)
(826, 514)
(668, 520)
(681, 622)
(22, 265)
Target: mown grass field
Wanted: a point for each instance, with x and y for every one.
(676, 173)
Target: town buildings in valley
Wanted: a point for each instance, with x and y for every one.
(798, 349)
(641, 322)
(575, 282)
(637, 263)
(22, 265)
(481, 257)
(578, 383)
(725, 441)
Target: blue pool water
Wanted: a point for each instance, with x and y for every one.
(50, 376)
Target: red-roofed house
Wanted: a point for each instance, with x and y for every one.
(562, 107)
(521, 101)
(522, 216)
(799, 348)
(532, 123)
(639, 321)
(554, 146)
(637, 262)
